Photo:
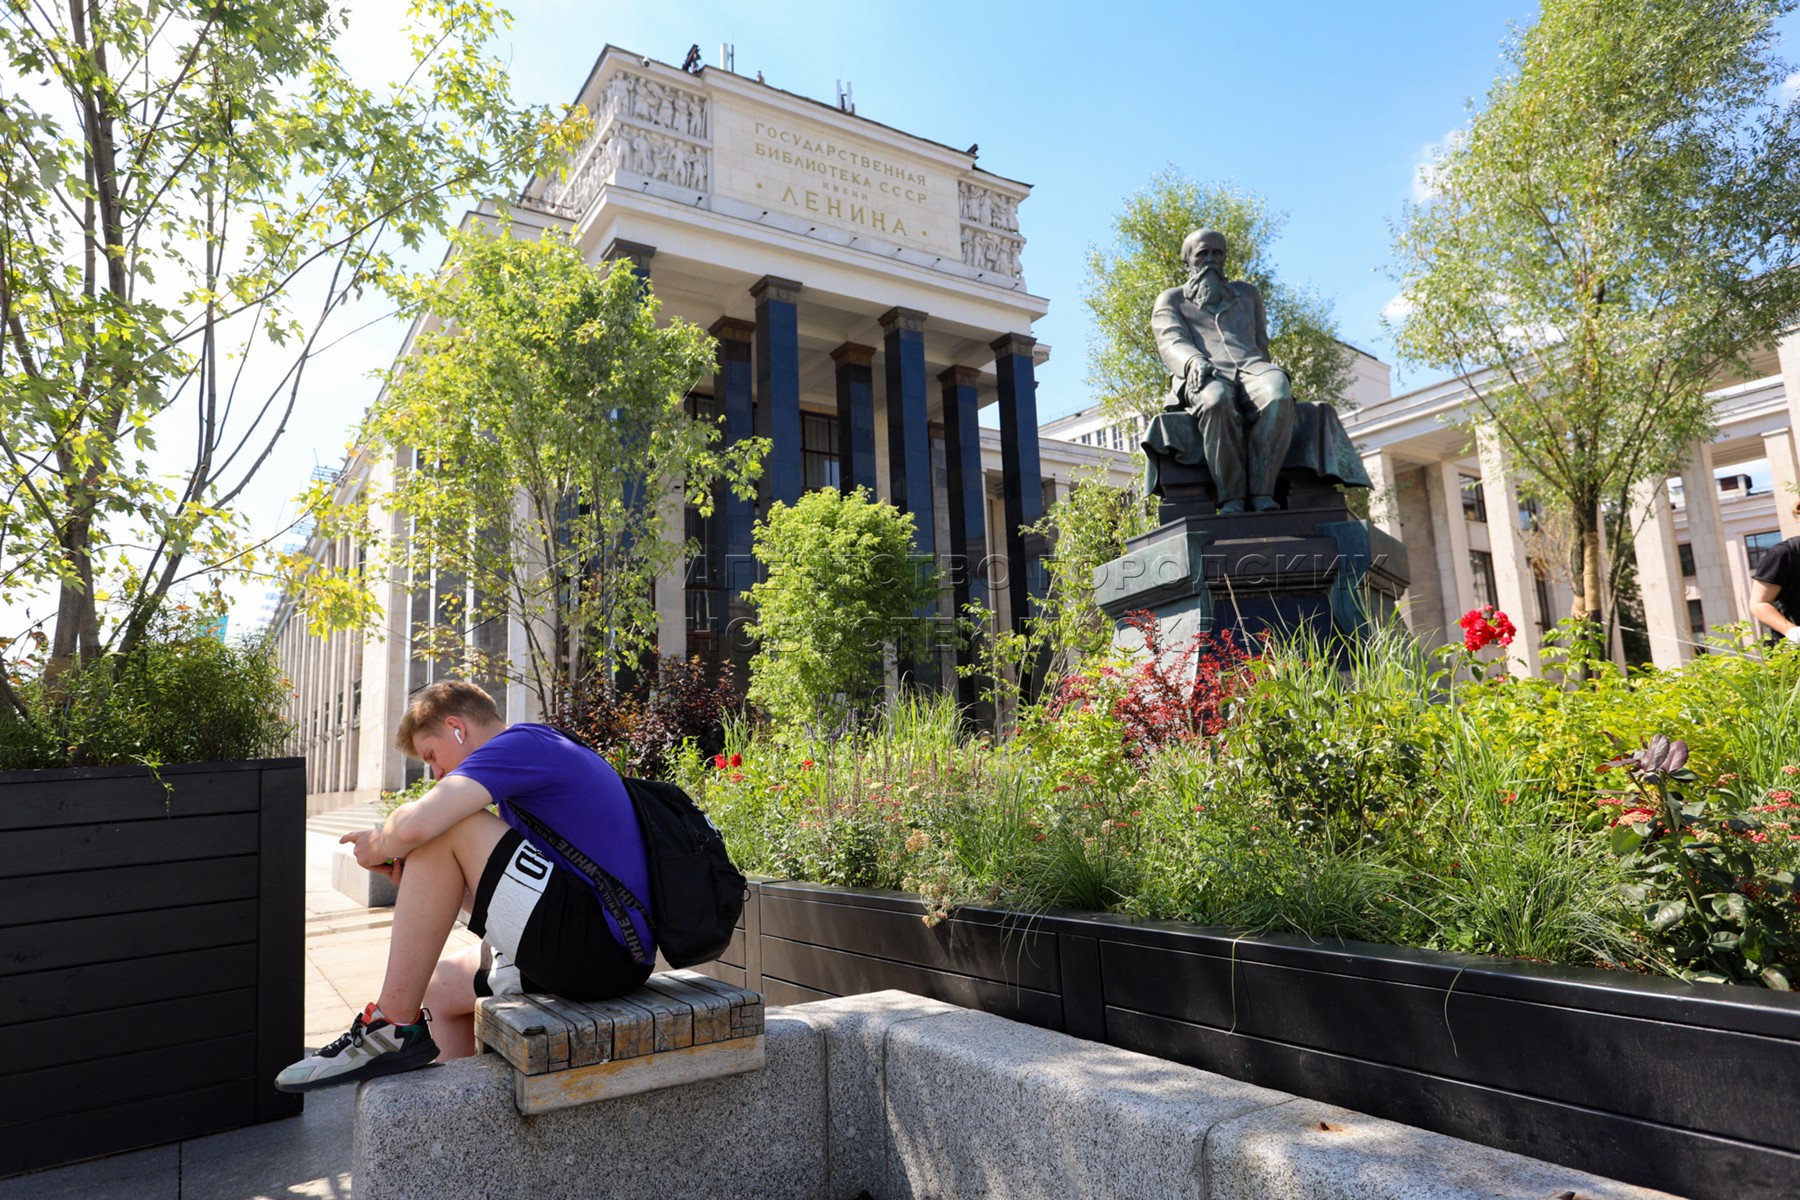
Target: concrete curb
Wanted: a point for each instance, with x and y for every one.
(910, 1099)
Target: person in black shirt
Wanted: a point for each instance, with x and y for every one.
(1775, 589)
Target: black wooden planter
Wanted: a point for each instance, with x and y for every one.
(151, 954)
(1688, 1088)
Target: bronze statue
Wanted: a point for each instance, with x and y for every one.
(1213, 336)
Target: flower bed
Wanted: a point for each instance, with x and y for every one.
(1399, 799)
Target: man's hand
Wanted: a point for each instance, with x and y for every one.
(1199, 371)
(366, 845)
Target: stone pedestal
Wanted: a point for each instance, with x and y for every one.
(1317, 568)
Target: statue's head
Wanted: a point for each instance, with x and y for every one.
(1202, 249)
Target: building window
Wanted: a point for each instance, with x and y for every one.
(1546, 605)
(1482, 564)
(1685, 552)
(1697, 621)
(818, 451)
(1474, 500)
(1528, 515)
(1758, 545)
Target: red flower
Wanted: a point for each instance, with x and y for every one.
(1486, 624)
(719, 762)
(807, 765)
(737, 760)
(738, 776)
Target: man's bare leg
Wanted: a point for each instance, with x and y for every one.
(451, 999)
(432, 887)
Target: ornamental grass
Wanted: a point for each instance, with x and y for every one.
(1369, 790)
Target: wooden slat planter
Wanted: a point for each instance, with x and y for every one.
(151, 954)
(680, 1027)
(1652, 1081)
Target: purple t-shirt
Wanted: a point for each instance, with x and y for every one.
(575, 792)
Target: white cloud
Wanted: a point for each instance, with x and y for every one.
(1397, 309)
(1789, 89)
(1425, 165)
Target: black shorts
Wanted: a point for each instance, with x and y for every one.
(542, 930)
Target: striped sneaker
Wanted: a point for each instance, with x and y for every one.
(374, 1046)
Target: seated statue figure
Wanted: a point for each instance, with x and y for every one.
(1228, 405)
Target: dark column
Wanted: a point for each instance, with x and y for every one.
(639, 254)
(778, 388)
(856, 417)
(1022, 481)
(966, 557)
(736, 570)
(909, 451)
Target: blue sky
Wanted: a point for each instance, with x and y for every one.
(1326, 109)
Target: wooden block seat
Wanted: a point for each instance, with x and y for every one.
(680, 1027)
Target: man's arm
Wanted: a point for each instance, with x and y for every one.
(1762, 607)
(1174, 340)
(413, 824)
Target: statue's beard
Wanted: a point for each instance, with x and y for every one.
(1208, 283)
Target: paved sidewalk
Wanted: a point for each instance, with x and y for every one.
(306, 1156)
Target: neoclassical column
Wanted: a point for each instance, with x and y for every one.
(1022, 480)
(1787, 352)
(735, 569)
(1659, 574)
(909, 449)
(1384, 505)
(1706, 533)
(1779, 446)
(967, 498)
(1455, 577)
(638, 254)
(778, 388)
(856, 417)
(1384, 492)
(1514, 581)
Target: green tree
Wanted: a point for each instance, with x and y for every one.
(843, 582)
(1123, 281)
(542, 429)
(1615, 228)
(190, 193)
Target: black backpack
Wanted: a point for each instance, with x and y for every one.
(696, 895)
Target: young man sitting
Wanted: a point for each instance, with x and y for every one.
(542, 924)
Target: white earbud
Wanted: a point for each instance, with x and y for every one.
(457, 734)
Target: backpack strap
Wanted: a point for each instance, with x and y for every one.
(614, 896)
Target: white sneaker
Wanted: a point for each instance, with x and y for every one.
(374, 1046)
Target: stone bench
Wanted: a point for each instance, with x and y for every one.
(680, 1027)
(906, 1098)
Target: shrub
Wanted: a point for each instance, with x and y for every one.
(843, 582)
(642, 732)
(183, 695)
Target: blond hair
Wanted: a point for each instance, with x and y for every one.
(445, 698)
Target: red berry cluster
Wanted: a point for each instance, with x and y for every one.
(1483, 625)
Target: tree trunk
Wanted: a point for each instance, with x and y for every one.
(1589, 607)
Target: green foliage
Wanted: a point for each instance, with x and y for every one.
(1705, 898)
(189, 195)
(843, 581)
(1123, 281)
(1360, 791)
(642, 730)
(1087, 526)
(548, 408)
(1612, 229)
(181, 695)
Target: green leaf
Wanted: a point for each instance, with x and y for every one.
(1625, 839)
(1667, 915)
